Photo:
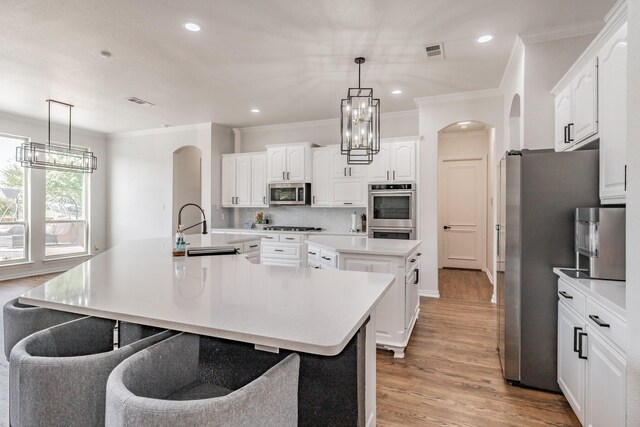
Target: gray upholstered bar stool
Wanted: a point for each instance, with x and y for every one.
(162, 386)
(20, 321)
(58, 376)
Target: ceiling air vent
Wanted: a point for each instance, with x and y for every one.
(139, 101)
(435, 52)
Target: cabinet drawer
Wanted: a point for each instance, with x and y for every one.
(314, 264)
(329, 258)
(571, 297)
(282, 262)
(281, 251)
(610, 325)
(313, 253)
(412, 260)
(251, 246)
(291, 238)
(271, 238)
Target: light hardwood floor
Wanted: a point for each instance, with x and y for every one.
(450, 376)
(467, 285)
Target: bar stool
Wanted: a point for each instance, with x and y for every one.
(163, 386)
(58, 376)
(20, 321)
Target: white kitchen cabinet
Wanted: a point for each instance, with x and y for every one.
(612, 77)
(584, 103)
(321, 258)
(243, 180)
(571, 369)
(563, 118)
(396, 161)
(320, 184)
(606, 389)
(283, 249)
(289, 163)
(348, 193)
(259, 180)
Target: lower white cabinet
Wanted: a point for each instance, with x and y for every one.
(283, 249)
(591, 361)
(321, 258)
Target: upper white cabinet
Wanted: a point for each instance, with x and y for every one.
(396, 161)
(336, 183)
(244, 180)
(289, 163)
(591, 104)
(613, 118)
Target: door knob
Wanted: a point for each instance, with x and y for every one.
(446, 227)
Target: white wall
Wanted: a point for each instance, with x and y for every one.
(222, 142)
(544, 65)
(323, 132)
(141, 179)
(37, 131)
(460, 145)
(436, 113)
(633, 218)
(512, 84)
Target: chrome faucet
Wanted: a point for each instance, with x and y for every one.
(203, 222)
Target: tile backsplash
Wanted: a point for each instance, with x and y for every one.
(329, 219)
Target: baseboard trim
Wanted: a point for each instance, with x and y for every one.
(494, 299)
(429, 294)
(489, 275)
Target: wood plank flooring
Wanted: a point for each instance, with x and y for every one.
(467, 285)
(450, 376)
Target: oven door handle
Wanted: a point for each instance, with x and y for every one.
(395, 193)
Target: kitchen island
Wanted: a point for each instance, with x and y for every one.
(398, 311)
(325, 316)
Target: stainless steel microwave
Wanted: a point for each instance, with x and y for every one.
(290, 194)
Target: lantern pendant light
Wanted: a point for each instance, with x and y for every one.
(360, 124)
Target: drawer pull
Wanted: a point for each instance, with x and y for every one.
(565, 295)
(327, 258)
(598, 321)
(278, 250)
(289, 238)
(580, 355)
(317, 267)
(412, 260)
(253, 246)
(419, 254)
(312, 253)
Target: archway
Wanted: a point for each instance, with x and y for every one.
(187, 185)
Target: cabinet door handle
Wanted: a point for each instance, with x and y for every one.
(598, 321)
(278, 250)
(344, 172)
(288, 238)
(349, 171)
(575, 338)
(348, 203)
(312, 253)
(580, 355)
(412, 260)
(387, 175)
(419, 254)
(565, 295)
(417, 277)
(287, 176)
(327, 258)
(317, 267)
(625, 177)
(394, 175)
(314, 200)
(283, 176)
(569, 132)
(566, 140)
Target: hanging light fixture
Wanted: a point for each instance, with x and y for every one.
(360, 124)
(54, 157)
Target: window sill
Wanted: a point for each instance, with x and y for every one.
(17, 264)
(66, 258)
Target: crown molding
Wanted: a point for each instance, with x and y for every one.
(616, 9)
(516, 50)
(563, 32)
(460, 96)
(159, 131)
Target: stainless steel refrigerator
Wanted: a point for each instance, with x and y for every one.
(539, 192)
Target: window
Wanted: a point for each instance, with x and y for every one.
(13, 204)
(66, 227)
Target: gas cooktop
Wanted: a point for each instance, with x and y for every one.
(289, 228)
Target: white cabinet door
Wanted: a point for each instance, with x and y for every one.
(571, 369)
(412, 298)
(606, 384)
(320, 184)
(243, 181)
(563, 118)
(259, 180)
(296, 164)
(348, 192)
(585, 103)
(338, 164)
(380, 168)
(276, 164)
(403, 161)
(228, 180)
(612, 77)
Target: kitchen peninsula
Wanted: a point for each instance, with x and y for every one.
(325, 316)
(398, 311)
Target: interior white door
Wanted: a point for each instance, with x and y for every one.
(228, 180)
(259, 180)
(296, 164)
(243, 181)
(463, 201)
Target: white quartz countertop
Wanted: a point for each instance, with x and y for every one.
(365, 245)
(308, 310)
(610, 293)
(260, 231)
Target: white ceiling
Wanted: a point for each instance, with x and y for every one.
(293, 59)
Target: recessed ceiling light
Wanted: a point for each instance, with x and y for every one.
(255, 110)
(484, 39)
(463, 123)
(192, 26)
(396, 92)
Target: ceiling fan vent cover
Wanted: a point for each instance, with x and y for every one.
(435, 52)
